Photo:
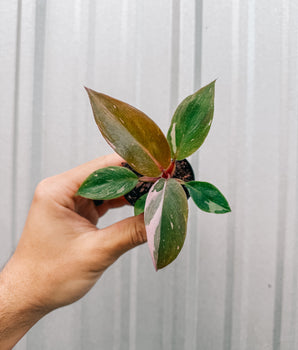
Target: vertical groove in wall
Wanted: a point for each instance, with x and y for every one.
(175, 46)
(138, 56)
(295, 248)
(91, 41)
(230, 256)
(117, 309)
(133, 300)
(282, 190)
(124, 40)
(248, 151)
(77, 29)
(198, 43)
(293, 316)
(294, 74)
(90, 59)
(37, 110)
(15, 125)
(250, 80)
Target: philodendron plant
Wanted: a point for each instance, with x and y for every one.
(157, 179)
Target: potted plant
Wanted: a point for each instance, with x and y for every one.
(157, 179)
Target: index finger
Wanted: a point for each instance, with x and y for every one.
(77, 175)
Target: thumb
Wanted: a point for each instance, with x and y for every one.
(124, 235)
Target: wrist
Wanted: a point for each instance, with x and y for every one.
(18, 309)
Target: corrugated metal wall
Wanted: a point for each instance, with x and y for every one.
(235, 284)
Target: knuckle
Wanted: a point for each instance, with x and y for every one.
(138, 233)
(43, 189)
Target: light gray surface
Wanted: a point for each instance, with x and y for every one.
(234, 285)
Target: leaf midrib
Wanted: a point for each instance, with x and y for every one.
(138, 143)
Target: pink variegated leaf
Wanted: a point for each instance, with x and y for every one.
(166, 213)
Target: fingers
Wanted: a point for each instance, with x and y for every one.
(77, 175)
(123, 236)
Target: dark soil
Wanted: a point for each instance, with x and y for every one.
(183, 171)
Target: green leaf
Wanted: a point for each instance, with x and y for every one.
(207, 197)
(140, 205)
(191, 122)
(166, 213)
(132, 134)
(108, 183)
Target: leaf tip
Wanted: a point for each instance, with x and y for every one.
(212, 84)
(228, 209)
(154, 262)
(90, 92)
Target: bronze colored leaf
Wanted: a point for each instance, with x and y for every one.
(131, 133)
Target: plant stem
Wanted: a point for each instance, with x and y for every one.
(148, 179)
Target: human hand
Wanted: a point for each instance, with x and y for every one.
(61, 253)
